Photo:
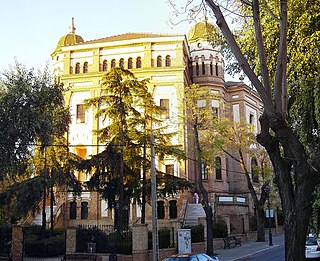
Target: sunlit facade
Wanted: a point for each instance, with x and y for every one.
(170, 62)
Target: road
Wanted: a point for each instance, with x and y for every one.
(274, 254)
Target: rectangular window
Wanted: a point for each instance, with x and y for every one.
(170, 169)
(204, 172)
(80, 117)
(251, 118)
(164, 104)
(84, 210)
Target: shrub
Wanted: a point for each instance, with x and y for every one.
(5, 238)
(197, 233)
(105, 242)
(220, 228)
(164, 236)
(49, 246)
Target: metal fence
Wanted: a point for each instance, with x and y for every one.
(103, 239)
(166, 238)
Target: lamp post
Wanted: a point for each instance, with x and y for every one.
(268, 189)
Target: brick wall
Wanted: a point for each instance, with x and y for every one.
(17, 243)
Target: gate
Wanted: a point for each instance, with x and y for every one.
(103, 239)
(39, 245)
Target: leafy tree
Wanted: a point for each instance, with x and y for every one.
(296, 169)
(201, 121)
(239, 142)
(32, 113)
(130, 116)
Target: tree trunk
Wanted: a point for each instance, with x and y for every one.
(51, 210)
(205, 201)
(261, 224)
(295, 180)
(144, 182)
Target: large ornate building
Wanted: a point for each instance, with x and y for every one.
(170, 62)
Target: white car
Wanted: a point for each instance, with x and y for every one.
(312, 247)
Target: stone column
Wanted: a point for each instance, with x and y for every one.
(140, 242)
(71, 240)
(17, 243)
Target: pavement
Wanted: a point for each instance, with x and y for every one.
(248, 249)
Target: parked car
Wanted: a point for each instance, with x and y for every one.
(312, 247)
(191, 257)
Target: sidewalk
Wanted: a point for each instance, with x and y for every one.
(248, 248)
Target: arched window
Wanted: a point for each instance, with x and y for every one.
(121, 63)
(211, 69)
(160, 209)
(254, 170)
(203, 65)
(84, 210)
(130, 63)
(159, 61)
(113, 63)
(104, 66)
(218, 168)
(138, 62)
(77, 68)
(217, 69)
(197, 69)
(168, 61)
(173, 209)
(85, 67)
(73, 210)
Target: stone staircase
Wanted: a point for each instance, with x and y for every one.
(38, 218)
(193, 213)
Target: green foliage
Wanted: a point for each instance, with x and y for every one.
(22, 197)
(5, 238)
(31, 110)
(50, 246)
(220, 228)
(303, 61)
(164, 237)
(253, 226)
(130, 116)
(106, 242)
(197, 233)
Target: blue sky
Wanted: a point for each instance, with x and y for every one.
(30, 29)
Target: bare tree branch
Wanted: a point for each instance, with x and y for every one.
(246, 2)
(240, 57)
(260, 44)
(272, 14)
(280, 82)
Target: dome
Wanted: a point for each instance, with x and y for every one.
(69, 39)
(201, 31)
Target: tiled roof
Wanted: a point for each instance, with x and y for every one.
(128, 36)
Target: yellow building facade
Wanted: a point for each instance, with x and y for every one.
(170, 62)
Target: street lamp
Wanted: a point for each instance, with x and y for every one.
(267, 190)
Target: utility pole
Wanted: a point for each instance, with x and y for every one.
(155, 245)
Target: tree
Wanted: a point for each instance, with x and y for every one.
(130, 116)
(239, 142)
(295, 168)
(201, 120)
(32, 113)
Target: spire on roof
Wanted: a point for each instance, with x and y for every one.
(72, 28)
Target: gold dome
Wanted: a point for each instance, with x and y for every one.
(201, 31)
(69, 39)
